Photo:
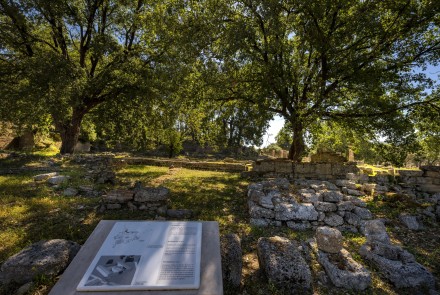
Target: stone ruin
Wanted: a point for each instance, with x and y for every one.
(328, 208)
(327, 156)
(314, 204)
(151, 199)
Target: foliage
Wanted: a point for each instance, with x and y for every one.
(325, 60)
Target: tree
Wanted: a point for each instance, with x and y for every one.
(64, 58)
(317, 60)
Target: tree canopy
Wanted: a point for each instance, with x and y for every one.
(217, 71)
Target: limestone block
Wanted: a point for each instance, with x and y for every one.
(333, 219)
(70, 192)
(332, 196)
(299, 226)
(329, 239)
(58, 179)
(283, 264)
(345, 272)
(118, 196)
(45, 258)
(429, 188)
(41, 177)
(352, 219)
(345, 206)
(410, 222)
(283, 167)
(231, 255)
(375, 231)
(362, 213)
(323, 169)
(287, 211)
(260, 222)
(257, 212)
(310, 197)
(325, 206)
(401, 274)
(152, 194)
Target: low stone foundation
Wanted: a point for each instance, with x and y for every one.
(315, 203)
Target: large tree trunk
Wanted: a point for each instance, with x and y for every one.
(70, 132)
(297, 147)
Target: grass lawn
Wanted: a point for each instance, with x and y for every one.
(31, 212)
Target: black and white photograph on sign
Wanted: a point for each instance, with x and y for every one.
(114, 270)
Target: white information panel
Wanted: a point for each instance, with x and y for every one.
(147, 255)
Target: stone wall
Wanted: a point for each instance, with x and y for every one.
(286, 168)
(426, 180)
(213, 166)
(308, 204)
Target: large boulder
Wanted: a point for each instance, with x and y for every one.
(47, 258)
(329, 239)
(343, 271)
(232, 264)
(284, 265)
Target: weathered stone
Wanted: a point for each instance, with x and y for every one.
(355, 201)
(131, 206)
(332, 196)
(107, 176)
(287, 211)
(352, 192)
(375, 231)
(24, 289)
(266, 200)
(391, 252)
(299, 226)
(283, 264)
(118, 196)
(256, 211)
(232, 264)
(152, 194)
(260, 222)
(330, 186)
(401, 274)
(113, 206)
(352, 219)
(333, 219)
(410, 222)
(345, 206)
(255, 186)
(369, 187)
(343, 271)
(58, 179)
(347, 183)
(70, 192)
(325, 206)
(283, 183)
(309, 197)
(328, 239)
(362, 213)
(47, 258)
(45, 176)
(348, 228)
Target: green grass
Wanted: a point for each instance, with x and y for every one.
(30, 212)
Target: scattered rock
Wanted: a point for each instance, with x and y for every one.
(410, 221)
(230, 246)
(343, 271)
(402, 274)
(329, 239)
(58, 179)
(118, 196)
(45, 176)
(375, 231)
(283, 264)
(46, 258)
(362, 213)
(70, 192)
(333, 219)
